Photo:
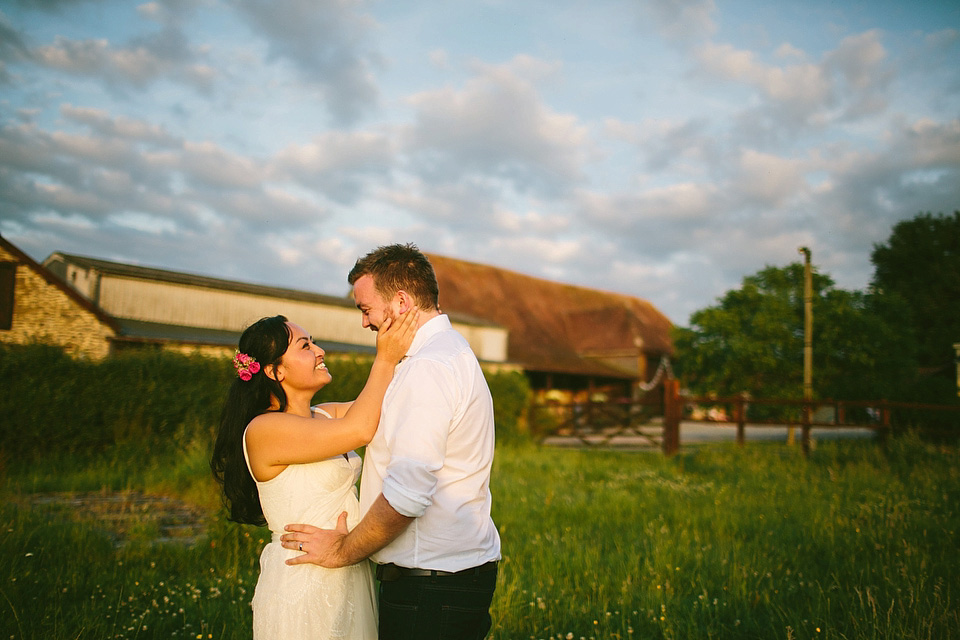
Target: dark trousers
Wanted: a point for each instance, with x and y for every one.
(449, 607)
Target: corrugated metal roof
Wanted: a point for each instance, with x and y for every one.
(121, 270)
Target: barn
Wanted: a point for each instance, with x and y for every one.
(572, 342)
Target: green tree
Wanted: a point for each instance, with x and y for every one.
(861, 351)
(920, 263)
(753, 341)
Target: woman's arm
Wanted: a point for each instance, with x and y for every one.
(280, 439)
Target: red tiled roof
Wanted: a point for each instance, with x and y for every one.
(553, 326)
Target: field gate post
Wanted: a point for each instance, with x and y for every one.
(741, 418)
(884, 421)
(672, 411)
(807, 419)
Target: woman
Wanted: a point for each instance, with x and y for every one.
(279, 460)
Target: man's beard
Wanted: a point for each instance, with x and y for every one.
(387, 314)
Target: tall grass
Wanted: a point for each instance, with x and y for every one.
(729, 543)
(856, 542)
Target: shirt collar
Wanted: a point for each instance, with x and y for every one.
(430, 328)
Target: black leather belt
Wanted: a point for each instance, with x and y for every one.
(390, 572)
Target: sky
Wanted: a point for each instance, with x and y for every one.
(660, 149)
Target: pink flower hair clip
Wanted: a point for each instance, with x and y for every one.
(245, 365)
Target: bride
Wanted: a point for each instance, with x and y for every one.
(280, 460)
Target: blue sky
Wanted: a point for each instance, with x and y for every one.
(655, 148)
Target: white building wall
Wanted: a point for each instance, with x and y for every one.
(84, 281)
(186, 305)
(491, 341)
(193, 306)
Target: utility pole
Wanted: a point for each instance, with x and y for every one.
(807, 347)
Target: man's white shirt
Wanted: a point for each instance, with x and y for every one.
(432, 455)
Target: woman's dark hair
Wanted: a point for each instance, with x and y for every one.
(265, 341)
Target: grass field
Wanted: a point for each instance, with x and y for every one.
(856, 542)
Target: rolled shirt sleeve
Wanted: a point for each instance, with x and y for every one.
(409, 487)
(418, 426)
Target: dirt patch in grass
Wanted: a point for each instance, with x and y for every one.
(127, 515)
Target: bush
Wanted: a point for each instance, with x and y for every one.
(55, 404)
(510, 391)
(511, 398)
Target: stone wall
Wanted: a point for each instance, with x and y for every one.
(45, 313)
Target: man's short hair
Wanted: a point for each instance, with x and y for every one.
(398, 267)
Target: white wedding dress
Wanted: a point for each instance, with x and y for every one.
(305, 601)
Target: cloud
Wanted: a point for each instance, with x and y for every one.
(73, 158)
(800, 87)
(343, 165)
(654, 222)
(534, 222)
(440, 58)
(683, 21)
(162, 56)
(541, 250)
(133, 174)
(324, 40)
(858, 58)
(679, 201)
(440, 204)
(165, 54)
(170, 12)
(916, 169)
(277, 141)
(144, 223)
(12, 44)
(787, 50)
(859, 64)
(758, 207)
(931, 144)
(768, 180)
(498, 126)
(851, 82)
(66, 172)
(50, 5)
(208, 164)
(103, 125)
(663, 144)
(264, 209)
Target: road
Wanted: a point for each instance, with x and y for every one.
(694, 433)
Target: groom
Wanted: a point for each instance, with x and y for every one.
(425, 494)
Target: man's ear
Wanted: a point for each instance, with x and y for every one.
(405, 301)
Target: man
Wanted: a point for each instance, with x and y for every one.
(424, 494)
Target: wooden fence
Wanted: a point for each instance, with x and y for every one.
(655, 419)
(600, 423)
